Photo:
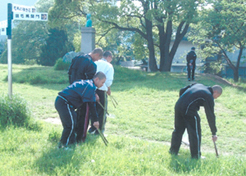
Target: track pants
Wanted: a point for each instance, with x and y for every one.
(101, 112)
(191, 71)
(68, 119)
(83, 121)
(192, 123)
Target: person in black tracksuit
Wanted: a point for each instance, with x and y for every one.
(83, 67)
(186, 116)
(191, 64)
(71, 98)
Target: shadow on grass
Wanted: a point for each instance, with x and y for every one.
(53, 160)
(61, 161)
(184, 164)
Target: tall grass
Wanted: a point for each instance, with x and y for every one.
(138, 130)
(13, 111)
(37, 75)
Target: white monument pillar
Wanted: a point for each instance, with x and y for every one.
(87, 39)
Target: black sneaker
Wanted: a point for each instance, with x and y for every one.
(96, 133)
(92, 130)
(60, 145)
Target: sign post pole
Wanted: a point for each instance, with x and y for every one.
(19, 12)
(9, 34)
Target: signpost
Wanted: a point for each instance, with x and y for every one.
(9, 34)
(18, 12)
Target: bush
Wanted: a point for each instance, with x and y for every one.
(30, 62)
(13, 112)
(60, 65)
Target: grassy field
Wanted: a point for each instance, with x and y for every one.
(138, 130)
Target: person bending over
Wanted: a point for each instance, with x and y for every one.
(73, 97)
(186, 116)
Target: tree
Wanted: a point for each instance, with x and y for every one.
(28, 36)
(224, 27)
(56, 46)
(158, 22)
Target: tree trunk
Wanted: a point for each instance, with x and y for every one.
(162, 39)
(233, 67)
(167, 56)
(152, 60)
(235, 75)
(235, 72)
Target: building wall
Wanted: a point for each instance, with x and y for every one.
(183, 48)
(179, 60)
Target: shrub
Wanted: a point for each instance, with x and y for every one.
(38, 79)
(13, 111)
(60, 65)
(30, 62)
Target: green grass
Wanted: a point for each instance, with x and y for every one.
(138, 130)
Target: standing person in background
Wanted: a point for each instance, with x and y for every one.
(104, 66)
(191, 63)
(186, 116)
(72, 97)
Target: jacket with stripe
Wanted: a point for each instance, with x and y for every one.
(80, 92)
(194, 96)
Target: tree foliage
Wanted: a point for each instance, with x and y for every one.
(33, 40)
(223, 26)
(158, 22)
(28, 37)
(56, 46)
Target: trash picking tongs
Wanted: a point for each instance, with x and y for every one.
(99, 131)
(103, 137)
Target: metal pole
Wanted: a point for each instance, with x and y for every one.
(9, 33)
(9, 68)
(216, 151)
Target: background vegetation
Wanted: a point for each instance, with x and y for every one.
(138, 30)
(138, 129)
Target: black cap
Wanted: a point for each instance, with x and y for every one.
(193, 48)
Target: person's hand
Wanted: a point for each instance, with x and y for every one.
(109, 91)
(190, 64)
(96, 124)
(214, 138)
(97, 98)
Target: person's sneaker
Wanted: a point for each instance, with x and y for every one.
(172, 152)
(92, 130)
(188, 79)
(96, 132)
(67, 148)
(60, 145)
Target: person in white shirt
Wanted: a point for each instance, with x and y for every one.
(103, 65)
